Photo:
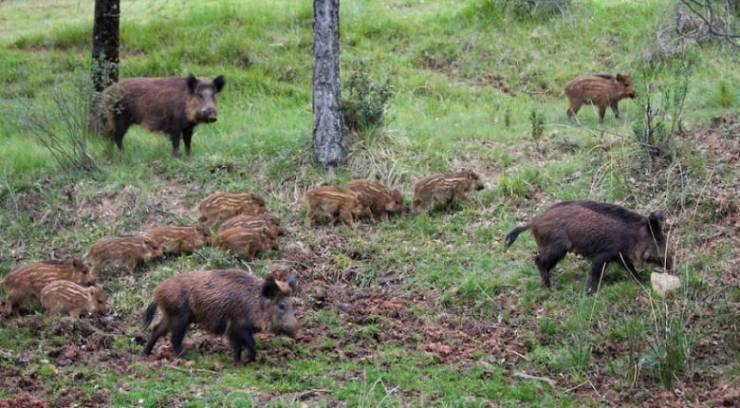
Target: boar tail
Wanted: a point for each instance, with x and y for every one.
(149, 314)
(511, 236)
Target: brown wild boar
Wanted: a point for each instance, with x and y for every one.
(381, 200)
(177, 240)
(172, 105)
(122, 252)
(334, 202)
(23, 284)
(601, 90)
(445, 188)
(222, 301)
(219, 207)
(246, 243)
(254, 222)
(65, 297)
(600, 232)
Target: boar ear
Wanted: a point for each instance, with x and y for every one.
(219, 82)
(270, 288)
(192, 82)
(293, 283)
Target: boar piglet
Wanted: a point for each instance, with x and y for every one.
(175, 240)
(173, 106)
(444, 188)
(219, 207)
(122, 252)
(335, 203)
(381, 200)
(246, 243)
(222, 301)
(601, 90)
(23, 284)
(254, 222)
(65, 297)
(600, 232)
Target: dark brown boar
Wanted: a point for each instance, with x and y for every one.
(601, 232)
(122, 252)
(254, 222)
(175, 240)
(334, 202)
(23, 284)
(219, 207)
(600, 90)
(246, 243)
(171, 105)
(444, 188)
(222, 301)
(381, 200)
(65, 297)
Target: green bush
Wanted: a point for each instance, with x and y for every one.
(364, 101)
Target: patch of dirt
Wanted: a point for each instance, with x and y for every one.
(23, 400)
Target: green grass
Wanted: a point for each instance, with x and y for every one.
(466, 80)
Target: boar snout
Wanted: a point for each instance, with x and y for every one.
(209, 115)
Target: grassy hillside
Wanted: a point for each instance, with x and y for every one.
(420, 310)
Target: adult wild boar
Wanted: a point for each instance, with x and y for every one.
(222, 301)
(600, 232)
(601, 90)
(170, 105)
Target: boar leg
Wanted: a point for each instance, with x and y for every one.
(236, 344)
(629, 267)
(598, 266)
(159, 330)
(602, 112)
(615, 108)
(546, 260)
(178, 327)
(175, 139)
(573, 109)
(347, 217)
(187, 137)
(243, 337)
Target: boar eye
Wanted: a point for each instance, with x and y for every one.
(281, 307)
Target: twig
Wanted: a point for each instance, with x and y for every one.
(520, 355)
(526, 376)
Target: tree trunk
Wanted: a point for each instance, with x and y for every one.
(328, 126)
(105, 43)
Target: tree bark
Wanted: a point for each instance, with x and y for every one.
(328, 126)
(105, 43)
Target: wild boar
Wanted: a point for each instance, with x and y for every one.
(381, 200)
(334, 202)
(222, 301)
(219, 207)
(600, 232)
(246, 243)
(23, 284)
(177, 240)
(601, 90)
(254, 222)
(445, 188)
(172, 105)
(65, 297)
(122, 252)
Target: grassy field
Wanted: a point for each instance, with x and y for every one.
(421, 310)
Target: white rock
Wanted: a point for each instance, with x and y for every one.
(664, 283)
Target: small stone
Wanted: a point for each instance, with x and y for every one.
(664, 283)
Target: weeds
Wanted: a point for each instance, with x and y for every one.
(364, 102)
(538, 128)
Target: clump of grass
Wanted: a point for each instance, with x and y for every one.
(364, 102)
(538, 128)
(724, 96)
(669, 350)
(521, 185)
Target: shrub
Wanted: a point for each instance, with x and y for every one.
(523, 9)
(364, 100)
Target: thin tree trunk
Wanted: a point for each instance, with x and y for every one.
(105, 43)
(328, 126)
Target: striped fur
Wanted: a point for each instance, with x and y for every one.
(245, 243)
(176, 240)
(600, 90)
(444, 188)
(23, 284)
(381, 200)
(336, 203)
(122, 252)
(219, 207)
(65, 297)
